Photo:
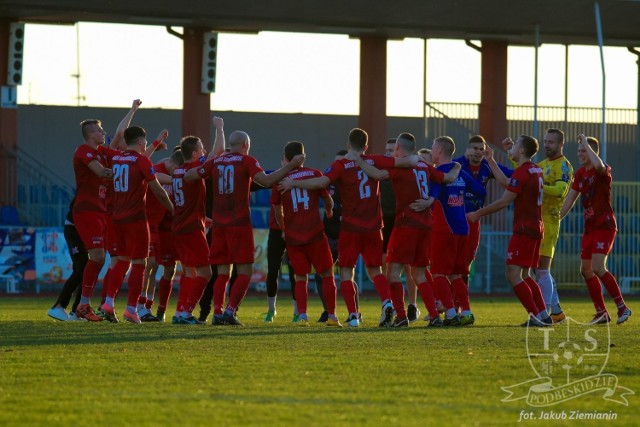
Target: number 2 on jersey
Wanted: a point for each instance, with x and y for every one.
(365, 189)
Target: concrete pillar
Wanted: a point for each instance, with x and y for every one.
(373, 91)
(493, 103)
(8, 130)
(196, 106)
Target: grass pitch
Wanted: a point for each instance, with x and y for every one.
(54, 373)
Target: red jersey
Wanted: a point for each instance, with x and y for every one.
(301, 208)
(91, 190)
(359, 195)
(131, 173)
(189, 207)
(527, 182)
(155, 210)
(231, 175)
(410, 184)
(595, 195)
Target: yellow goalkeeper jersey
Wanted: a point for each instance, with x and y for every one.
(558, 174)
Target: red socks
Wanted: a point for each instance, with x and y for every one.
(117, 277)
(397, 297)
(429, 300)
(595, 292)
(238, 291)
(536, 293)
(461, 293)
(612, 288)
(136, 277)
(443, 290)
(329, 291)
(348, 293)
(302, 295)
(382, 287)
(195, 293)
(183, 294)
(523, 292)
(90, 277)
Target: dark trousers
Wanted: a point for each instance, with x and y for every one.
(79, 257)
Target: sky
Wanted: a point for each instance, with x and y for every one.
(300, 73)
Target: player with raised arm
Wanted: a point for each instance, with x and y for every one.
(232, 234)
(133, 173)
(93, 175)
(558, 174)
(524, 189)
(475, 165)
(360, 230)
(593, 184)
(189, 223)
(410, 241)
(297, 212)
(450, 233)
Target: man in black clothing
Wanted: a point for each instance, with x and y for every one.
(79, 257)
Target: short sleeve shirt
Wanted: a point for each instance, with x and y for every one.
(91, 190)
(527, 182)
(231, 175)
(595, 195)
(131, 173)
(302, 221)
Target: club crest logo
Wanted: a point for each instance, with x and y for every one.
(569, 361)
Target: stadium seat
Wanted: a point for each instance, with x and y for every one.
(263, 198)
(9, 216)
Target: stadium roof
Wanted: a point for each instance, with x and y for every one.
(561, 21)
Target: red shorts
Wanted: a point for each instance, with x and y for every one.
(154, 242)
(318, 254)
(448, 254)
(352, 244)
(132, 239)
(111, 239)
(473, 241)
(192, 248)
(597, 242)
(523, 251)
(232, 245)
(92, 227)
(409, 246)
(166, 249)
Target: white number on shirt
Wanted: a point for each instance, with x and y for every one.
(225, 179)
(421, 180)
(365, 189)
(121, 178)
(299, 195)
(540, 190)
(178, 194)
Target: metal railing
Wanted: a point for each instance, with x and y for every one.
(43, 196)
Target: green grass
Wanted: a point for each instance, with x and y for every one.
(73, 373)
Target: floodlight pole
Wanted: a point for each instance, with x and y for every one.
(603, 136)
(535, 82)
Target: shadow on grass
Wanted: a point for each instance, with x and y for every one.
(35, 333)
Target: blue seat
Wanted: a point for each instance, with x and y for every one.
(258, 218)
(263, 197)
(9, 216)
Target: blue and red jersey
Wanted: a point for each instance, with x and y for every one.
(482, 174)
(449, 213)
